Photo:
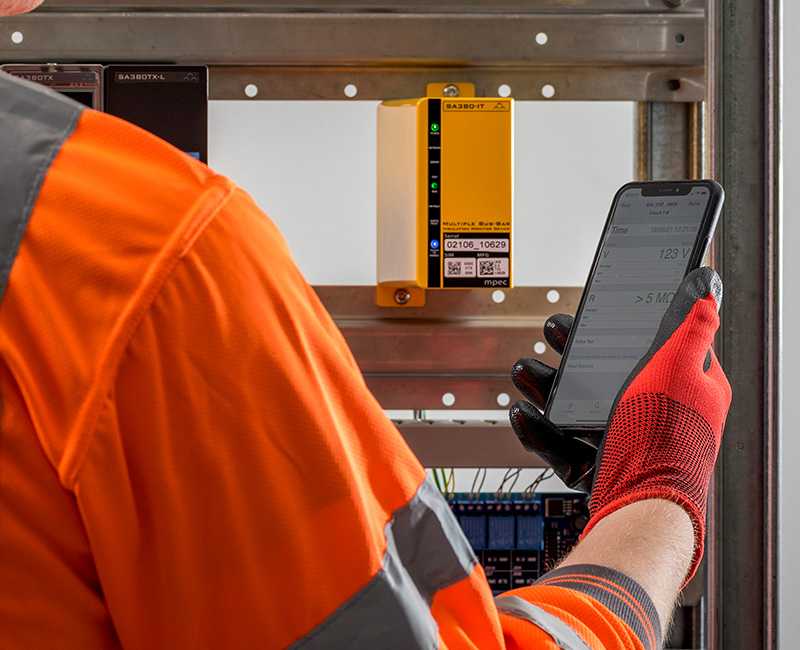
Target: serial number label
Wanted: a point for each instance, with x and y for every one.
(476, 245)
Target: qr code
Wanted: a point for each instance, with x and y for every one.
(459, 268)
(493, 268)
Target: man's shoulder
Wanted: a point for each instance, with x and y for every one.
(99, 161)
(132, 186)
(114, 208)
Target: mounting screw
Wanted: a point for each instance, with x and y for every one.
(402, 296)
(673, 3)
(451, 90)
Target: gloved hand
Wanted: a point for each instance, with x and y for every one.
(665, 428)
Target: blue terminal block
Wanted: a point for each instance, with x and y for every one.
(518, 537)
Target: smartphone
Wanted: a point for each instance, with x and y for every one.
(83, 83)
(656, 232)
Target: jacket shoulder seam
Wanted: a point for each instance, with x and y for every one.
(202, 213)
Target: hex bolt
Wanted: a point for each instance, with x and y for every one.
(402, 296)
(451, 90)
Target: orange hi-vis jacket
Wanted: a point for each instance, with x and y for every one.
(189, 456)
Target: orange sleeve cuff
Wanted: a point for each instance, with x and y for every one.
(623, 597)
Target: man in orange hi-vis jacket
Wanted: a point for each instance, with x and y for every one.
(189, 456)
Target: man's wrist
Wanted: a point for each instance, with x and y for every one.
(660, 494)
(650, 541)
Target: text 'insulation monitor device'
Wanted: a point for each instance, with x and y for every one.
(83, 83)
(169, 101)
(445, 196)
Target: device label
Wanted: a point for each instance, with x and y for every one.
(475, 245)
(166, 76)
(434, 192)
(481, 106)
(477, 260)
(59, 78)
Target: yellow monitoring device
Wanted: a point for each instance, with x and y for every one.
(445, 195)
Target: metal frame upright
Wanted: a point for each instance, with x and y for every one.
(744, 153)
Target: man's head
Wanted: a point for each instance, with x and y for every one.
(13, 7)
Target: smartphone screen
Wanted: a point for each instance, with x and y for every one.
(656, 233)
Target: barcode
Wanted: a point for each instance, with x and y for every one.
(493, 268)
(460, 268)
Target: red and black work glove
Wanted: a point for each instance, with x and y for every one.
(665, 427)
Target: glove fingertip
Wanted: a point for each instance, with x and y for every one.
(517, 416)
(533, 379)
(518, 412)
(556, 331)
(703, 282)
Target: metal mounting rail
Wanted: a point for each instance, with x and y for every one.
(462, 443)
(338, 6)
(266, 38)
(607, 50)
(575, 83)
(461, 342)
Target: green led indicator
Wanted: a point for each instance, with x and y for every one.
(434, 185)
(435, 127)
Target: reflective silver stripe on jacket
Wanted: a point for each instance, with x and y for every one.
(34, 123)
(425, 552)
(562, 634)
